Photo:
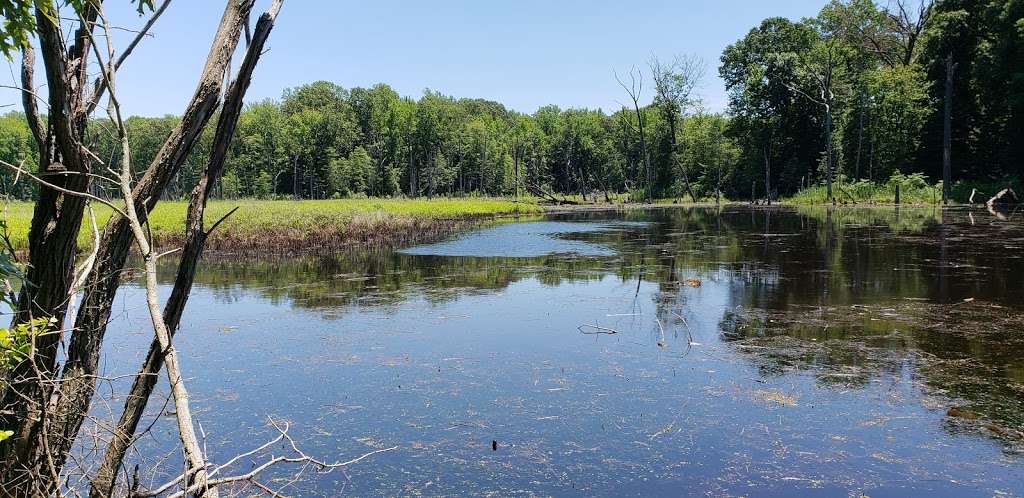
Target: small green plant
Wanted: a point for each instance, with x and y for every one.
(16, 342)
(914, 190)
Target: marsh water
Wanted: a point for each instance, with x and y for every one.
(668, 352)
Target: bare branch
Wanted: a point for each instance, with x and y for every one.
(22, 171)
(100, 86)
(299, 458)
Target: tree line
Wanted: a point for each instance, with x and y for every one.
(321, 140)
(863, 91)
(858, 92)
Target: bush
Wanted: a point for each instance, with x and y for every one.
(914, 189)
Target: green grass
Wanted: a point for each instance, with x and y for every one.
(256, 219)
(914, 190)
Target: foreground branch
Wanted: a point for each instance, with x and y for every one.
(295, 456)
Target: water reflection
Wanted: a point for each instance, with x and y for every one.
(767, 351)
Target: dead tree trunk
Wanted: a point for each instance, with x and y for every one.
(828, 151)
(675, 160)
(67, 407)
(634, 90)
(195, 241)
(947, 131)
(768, 171)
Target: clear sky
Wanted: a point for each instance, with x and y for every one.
(524, 54)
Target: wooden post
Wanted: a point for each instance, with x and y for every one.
(897, 201)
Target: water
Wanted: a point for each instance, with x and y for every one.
(757, 352)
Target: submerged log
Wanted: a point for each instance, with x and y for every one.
(1004, 197)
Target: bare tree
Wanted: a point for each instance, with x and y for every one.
(893, 34)
(820, 68)
(195, 240)
(634, 90)
(196, 461)
(909, 24)
(947, 130)
(674, 85)
(45, 411)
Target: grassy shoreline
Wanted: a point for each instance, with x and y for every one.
(914, 190)
(286, 226)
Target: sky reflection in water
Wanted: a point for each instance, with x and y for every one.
(819, 356)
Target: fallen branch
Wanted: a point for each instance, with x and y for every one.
(597, 329)
(999, 198)
(298, 457)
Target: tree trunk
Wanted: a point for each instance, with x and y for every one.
(718, 184)
(414, 185)
(860, 138)
(432, 176)
(195, 240)
(768, 172)
(643, 150)
(68, 406)
(679, 165)
(947, 131)
(56, 220)
(296, 181)
(828, 151)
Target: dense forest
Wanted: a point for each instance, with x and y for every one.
(859, 92)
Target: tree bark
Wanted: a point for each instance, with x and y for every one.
(768, 171)
(67, 407)
(195, 240)
(56, 220)
(828, 151)
(947, 131)
(643, 149)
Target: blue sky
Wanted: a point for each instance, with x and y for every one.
(525, 54)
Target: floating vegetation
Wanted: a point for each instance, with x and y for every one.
(774, 396)
(837, 354)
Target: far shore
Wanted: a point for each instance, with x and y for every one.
(283, 227)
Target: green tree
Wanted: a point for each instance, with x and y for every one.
(17, 146)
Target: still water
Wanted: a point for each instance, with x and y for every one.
(670, 352)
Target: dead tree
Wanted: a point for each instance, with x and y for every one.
(45, 418)
(634, 90)
(821, 72)
(195, 240)
(194, 458)
(947, 130)
(674, 84)
(909, 25)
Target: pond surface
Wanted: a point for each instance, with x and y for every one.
(669, 352)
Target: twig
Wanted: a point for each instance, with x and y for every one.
(597, 329)
(221, 220)
(22, 171)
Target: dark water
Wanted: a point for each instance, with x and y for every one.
(757, 352)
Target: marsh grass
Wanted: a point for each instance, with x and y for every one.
(898, 220)
(914, 190)
(285, 226)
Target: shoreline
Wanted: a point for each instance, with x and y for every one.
(293, 228)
